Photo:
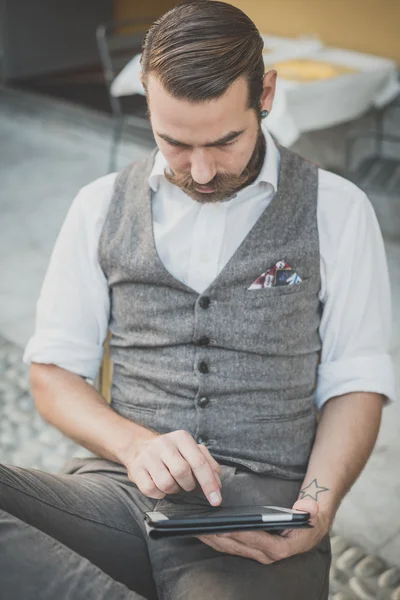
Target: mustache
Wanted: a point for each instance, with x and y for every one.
(223, 183)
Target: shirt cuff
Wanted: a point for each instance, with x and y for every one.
(358, 374)
(72, 355)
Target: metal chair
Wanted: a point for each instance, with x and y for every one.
(118, 42)
(376, 173)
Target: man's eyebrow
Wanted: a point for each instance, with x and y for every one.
(227, 138)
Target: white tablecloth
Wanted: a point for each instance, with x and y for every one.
(313, 105)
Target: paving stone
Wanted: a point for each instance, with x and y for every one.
(22, 417)
(337, 578)
(13, 357)
(26, 403)
(64, 449)
(38, 423)
(370, 566)
(6, 439)
(9, 414)
(390, 578)
(363, 589)
(13, 375)
(81, 452)
(11, 395)
(344, 596)
(338, 574)
(49, 437)
(13, 458)
(24, 432)
(396, 594)
(3, 386)
(338, 544)
(350, 558)
(24, 384)
(10, 429)
(52, 462)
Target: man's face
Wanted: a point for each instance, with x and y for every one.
(214, 146)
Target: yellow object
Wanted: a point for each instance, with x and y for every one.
(370, 26)
(305, 70)
(106, 372)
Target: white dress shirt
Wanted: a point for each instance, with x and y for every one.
(195, 241)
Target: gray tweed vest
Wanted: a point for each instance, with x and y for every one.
(234, 367)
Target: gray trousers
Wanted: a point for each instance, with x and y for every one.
(79, 535)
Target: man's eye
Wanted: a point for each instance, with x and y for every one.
(229, 143)
(175, 144)
(182, 146)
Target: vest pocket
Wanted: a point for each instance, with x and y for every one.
(140, 415)
(265, 294)
(285, 417)
(133, 409)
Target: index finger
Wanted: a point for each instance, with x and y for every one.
(202, 470)
(214, 464)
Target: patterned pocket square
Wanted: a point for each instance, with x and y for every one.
(280, 274)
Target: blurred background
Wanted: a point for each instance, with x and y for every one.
(72, 109)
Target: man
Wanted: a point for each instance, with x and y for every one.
(245, 290)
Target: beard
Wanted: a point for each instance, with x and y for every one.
(224, 184)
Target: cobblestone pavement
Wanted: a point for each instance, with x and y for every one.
(28, 441)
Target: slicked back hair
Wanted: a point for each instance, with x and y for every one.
(197, 49)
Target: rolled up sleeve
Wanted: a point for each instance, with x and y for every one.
(72, 311)
(356, 320)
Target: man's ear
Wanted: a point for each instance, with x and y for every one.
(268, 93)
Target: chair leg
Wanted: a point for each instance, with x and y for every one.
(117, 131)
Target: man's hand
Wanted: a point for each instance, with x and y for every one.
(267, 548)
(166, 464)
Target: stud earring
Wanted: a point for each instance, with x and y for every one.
(264, 113)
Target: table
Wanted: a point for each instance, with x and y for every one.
(357, 83)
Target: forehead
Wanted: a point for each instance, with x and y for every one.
(179, 118)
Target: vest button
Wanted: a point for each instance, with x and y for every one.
(204, 302)
(203, 367)
(203, 341)
(202, 440)
(203, 402)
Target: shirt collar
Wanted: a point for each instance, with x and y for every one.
(268, 174)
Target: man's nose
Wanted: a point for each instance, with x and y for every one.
(203, 168)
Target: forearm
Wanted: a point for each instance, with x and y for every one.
(345, 438)
(74, 407)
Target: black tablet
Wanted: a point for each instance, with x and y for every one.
(185, 520)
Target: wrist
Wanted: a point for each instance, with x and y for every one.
(328, 502)
(326, 515)
(131, 439)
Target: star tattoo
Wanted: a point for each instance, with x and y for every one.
(312, 490)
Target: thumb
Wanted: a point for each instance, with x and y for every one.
(309, 505)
